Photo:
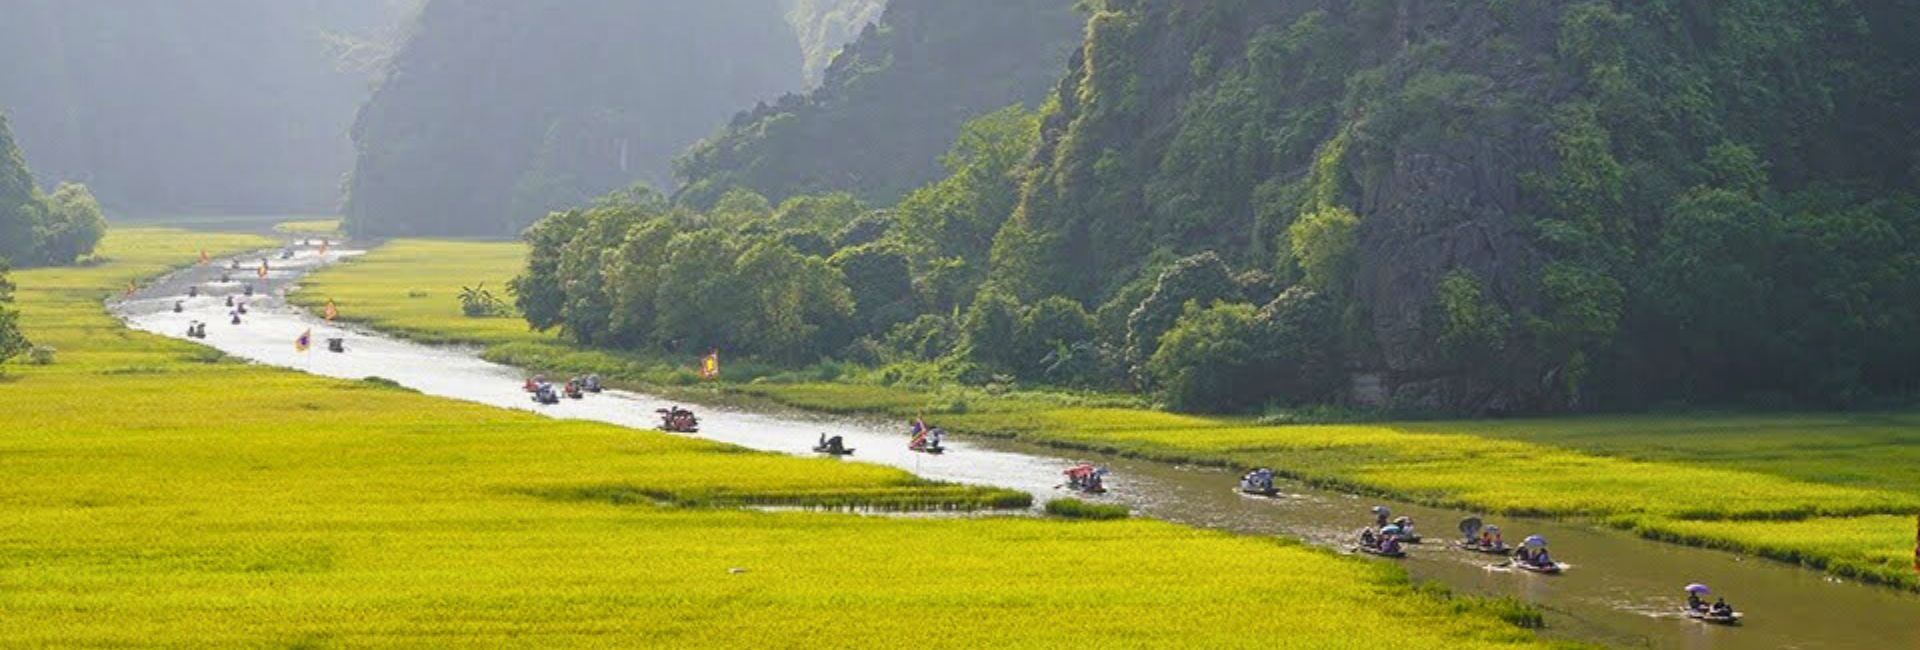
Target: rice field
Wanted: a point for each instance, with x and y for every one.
(1737, 481)
(411, 288)
(158, 495)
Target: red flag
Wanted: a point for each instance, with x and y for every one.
(263, 269)
(323, 247)
(330, 313)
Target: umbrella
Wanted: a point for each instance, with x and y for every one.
(1536, 541)
(1379, 509)
(1697, 588)
(1390, 530)
(1470, 525)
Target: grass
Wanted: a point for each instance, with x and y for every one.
(313, 227)
(1077, 509)
(1735, 481)
(412, 288)
(160, 496)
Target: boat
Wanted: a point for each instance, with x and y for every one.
(1730, 618)
(1258, 482)
(678, 420)
(1546, 570)
(544, 394)
(1086, 478)
(933, 449)
(1489, 550)
(338, 345)
(1375, 550)
(834, 446)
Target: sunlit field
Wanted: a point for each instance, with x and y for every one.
(311, 227)
(411, 288)
(160, 495)
(1746, 482)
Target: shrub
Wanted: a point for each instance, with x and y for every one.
(1077, 509)
(41, 355)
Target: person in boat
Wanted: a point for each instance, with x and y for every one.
(529, 386)
(934, 435)
(1490, 538)
(1381, 516)
(1540, 558)
(1260, 479)
(236, 317)
(592, 383)
(833, 445)
(179, 307)
(1369, 538)
(229, 301)
(1720, 608)
(1523, 554)
(248, 289)
(1694, 602)
(1405, 524)
(242, 308)
(1390, 544)
(193, 291)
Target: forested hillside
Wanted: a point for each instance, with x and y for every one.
(1465, 206)
(890, 103)
(492, 113)
(824, 26)
(189, 105)
(1504, 205)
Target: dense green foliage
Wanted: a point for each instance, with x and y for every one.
(1527, 206)
(890, 102)
(1591, 203)
(192, 105)
(38, 229)
(12, 342)
(494, 113)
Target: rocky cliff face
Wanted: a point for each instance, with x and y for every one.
(890, 103)
(1524, 156)
(189, 105)
(495, 112)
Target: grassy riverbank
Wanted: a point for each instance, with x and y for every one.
(1834, 491)
(158, 494)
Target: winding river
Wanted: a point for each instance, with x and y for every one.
(1620, 590)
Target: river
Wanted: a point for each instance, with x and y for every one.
(1619, 590)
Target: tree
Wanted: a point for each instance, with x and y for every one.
(990, 329)
(1200, 279)
(1206, 361)
(1050, 327)
(71, 225)
(882, 286)
(539, 291)
(700, 302)
(12, 342)
(797, 303)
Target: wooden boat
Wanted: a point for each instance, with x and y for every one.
(1547, 570)
(1488, 550)
(1375, 550)
(1716, 619)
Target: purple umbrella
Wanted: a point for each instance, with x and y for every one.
(1535, 541)
(1697, 588)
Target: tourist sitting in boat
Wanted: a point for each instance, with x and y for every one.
(1720, 608)
(236, 317)
(591, 383)
(1258, 480)
(229, 301)
(179, 307)
(193, 292)
(1086, 478)
(1523, 555)
(1390, 544)
(833, 445)
(1490, 538)
(1540, 558)
(1381, 517)
(572, 389)
(241, 308)
(1695, 603)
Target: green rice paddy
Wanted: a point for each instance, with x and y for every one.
(160, 495)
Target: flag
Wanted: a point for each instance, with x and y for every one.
(710, 365)
(919, 433)
(130, 289)
(203, 257)
(305, 341)
(263, 269)
(323, 247)
(330, 313)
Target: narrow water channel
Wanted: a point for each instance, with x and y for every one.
(1620, 590)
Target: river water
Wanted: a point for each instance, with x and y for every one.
(1619, 590)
